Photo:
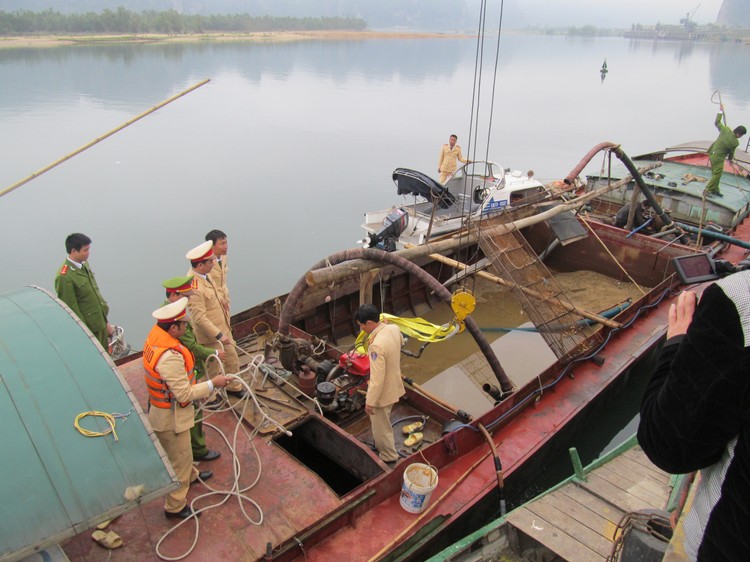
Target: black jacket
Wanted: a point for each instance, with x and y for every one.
(696, 406)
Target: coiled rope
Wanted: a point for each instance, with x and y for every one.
(109, 418)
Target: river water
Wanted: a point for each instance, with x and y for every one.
(290, 143)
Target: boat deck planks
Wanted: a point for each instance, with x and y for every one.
(577, 521)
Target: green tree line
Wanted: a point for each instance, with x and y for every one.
(25, 22)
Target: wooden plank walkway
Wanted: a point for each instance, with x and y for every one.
(577, 521)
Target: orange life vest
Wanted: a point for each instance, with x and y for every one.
(157, 343)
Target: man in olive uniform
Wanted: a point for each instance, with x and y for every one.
(76, 286)
(172, 388)
(218, 274)
(176, 288)
(722, 148)
(385, 386)
(449, 154)
(209, 318)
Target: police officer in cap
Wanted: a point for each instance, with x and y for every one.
(171, 384)
(209, 318)
(178, 287)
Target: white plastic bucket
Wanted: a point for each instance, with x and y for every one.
(419, 482)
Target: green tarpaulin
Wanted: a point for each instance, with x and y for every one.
(55, 481)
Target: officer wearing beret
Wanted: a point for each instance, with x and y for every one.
(76, 286)
(172, 388)
(178, 287)
(209, 318)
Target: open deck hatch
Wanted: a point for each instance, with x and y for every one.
(330, 454)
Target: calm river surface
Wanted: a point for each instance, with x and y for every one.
(290, 143)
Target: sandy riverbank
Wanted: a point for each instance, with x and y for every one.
(259, 37)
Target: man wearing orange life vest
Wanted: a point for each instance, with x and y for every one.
(171, 385)
(208, 316)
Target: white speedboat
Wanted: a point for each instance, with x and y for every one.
(475, 190)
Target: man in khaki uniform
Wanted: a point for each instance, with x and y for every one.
(209, 318)
(171, 384)
(449, 155)
(385, 386)
(218, 274)
(177, 288)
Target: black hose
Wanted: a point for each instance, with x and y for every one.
(295, 296)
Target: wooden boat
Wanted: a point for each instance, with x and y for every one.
(678, 184)
(320, 491)
(619, 507)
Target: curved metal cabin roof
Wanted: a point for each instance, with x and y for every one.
(56, 482)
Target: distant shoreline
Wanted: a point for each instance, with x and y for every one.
(256, 37)
(46, 41)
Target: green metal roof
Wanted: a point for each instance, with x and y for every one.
(669, 177)
(55, 481)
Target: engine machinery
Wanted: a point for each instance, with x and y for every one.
(340, 387)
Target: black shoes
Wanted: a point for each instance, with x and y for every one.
(241, 394)
(203, 475)
(184, 513)
(209, 456)
(215, 404)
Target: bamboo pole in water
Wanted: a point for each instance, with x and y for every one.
(99, 139)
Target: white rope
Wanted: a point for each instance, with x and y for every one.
(235, 490)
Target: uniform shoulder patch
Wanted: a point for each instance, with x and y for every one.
(64, 269)
(373, 356)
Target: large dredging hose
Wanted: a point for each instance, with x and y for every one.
(628, 163)
(295, 295)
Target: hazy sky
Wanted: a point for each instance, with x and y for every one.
(616, 13)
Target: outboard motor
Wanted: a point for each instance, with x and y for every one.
(393, 225)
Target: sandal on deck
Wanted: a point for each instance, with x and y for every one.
(109, 540)
(413, 439)
(412, 427)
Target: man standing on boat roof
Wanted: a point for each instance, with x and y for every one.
(449, 155)
(171, 384)
(219, 272)
(695, 415)
(209, 318)
(76, 286)
(385, 386)
(177, 288)
(722, 148)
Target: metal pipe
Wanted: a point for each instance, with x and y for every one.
(715, 235)
(666, 219)
(586, 159)
(631, 168)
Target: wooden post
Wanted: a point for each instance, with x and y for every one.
(365, 286)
